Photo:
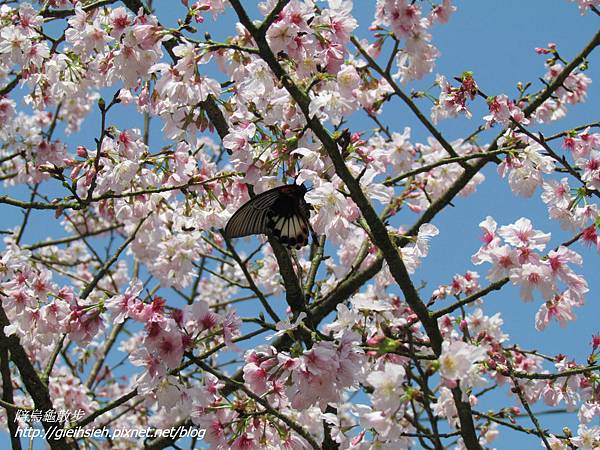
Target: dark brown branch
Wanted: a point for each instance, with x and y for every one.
(100, 360)
(559, 80)
(8, 398)
(406, 99)
(68, 239)
(517, 389)
(443, 162)
(497, 285)
(264, 302)
(104, 269)
(112, 405)
(63, 13)
(34, 386)
(272, 16)
(11, 85)
(555, 376)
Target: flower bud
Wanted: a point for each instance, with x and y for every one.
(82, 152)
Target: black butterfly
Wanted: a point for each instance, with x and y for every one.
(281, 212)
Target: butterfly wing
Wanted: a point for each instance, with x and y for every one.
(280, 212)
(288, 218)
(252, 217)
(290, 231)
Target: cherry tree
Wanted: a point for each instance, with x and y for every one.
(140, 312)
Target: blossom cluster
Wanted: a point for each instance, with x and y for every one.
(513, 253)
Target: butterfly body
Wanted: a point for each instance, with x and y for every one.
(281, 212)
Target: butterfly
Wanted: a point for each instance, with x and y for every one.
(281, 212)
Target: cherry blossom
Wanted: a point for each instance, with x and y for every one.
(585, 4)
(522, 234)
(503, 110)
(452, 101)
(458, 359)
(388, 387)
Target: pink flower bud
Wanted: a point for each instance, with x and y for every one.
(375, 340)
(595, 341)
(358, 438)
(82, 152)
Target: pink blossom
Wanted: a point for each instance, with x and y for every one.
(167, 201)
(245, 442)
(7, 109)
(590, 236)
(170, 347)
(595, 341)
(330, 205)
(388, 385)
(443, 11)
(238, 140)
(452, 101)
(404, 17)
(560, 308)
(584, 5)
(502, 110)
(425, 233)
(231, 329)
(198, 316)
(521, 233)
(531, 276)
(591, 169)
(120, 21)
(587, 438)
(348, 80)
(557, 193)
(445, 406)
(284, 326)
(417, 60)
(256, 378)
(555, 443)
(458, 358)
(582, 145)
(330, 105)
(52, 318)
(558, 260)
(340, 20)
(14, 44)
(588, 411)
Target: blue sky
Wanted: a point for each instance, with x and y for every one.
(496, 41)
